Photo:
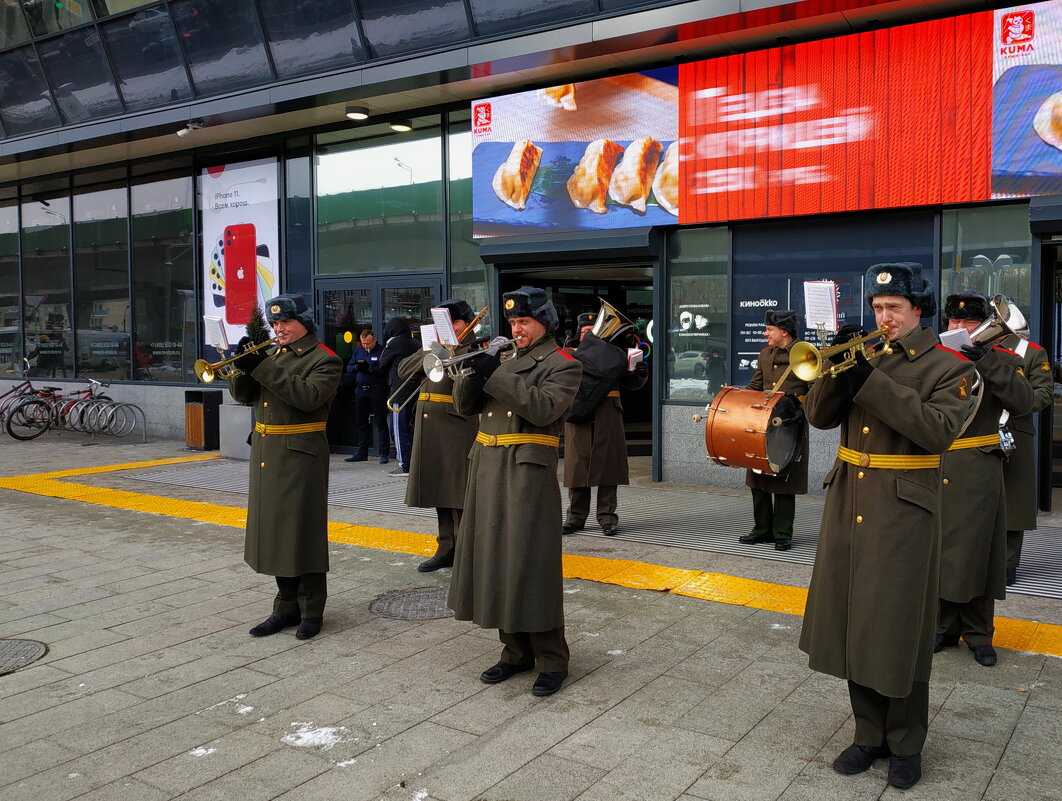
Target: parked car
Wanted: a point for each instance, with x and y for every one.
(691, 363)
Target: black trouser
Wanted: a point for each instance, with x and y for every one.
(972, 620)
(579, 505)
(301, 596)
(371, 401)
(1014, 541)
(899, 723)
(773, 514)
(524, 647)
(449, 523)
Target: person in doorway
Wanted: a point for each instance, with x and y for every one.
(287, 504)
(871, 612)
(398, 344)
(507, 565)
(774, 497)
(370, 397)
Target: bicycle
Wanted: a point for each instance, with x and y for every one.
(14, 396)
(48, 408)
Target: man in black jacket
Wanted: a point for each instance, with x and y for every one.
(398, 344)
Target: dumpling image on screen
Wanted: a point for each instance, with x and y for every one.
(512, 181)
(1048, 121)
(563, 96)
(666, 183)
(588, 186)
(634, 175)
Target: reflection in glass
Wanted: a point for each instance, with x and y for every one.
(49, 339)
(164, 339)
(399, 26)
(101, 283)
(344, 312)
(499, 16)
(311, 35)
(411, 302)
(299, 224)
(25, 103)
(13, 28)
(10, 331)
(698, 309)
(379, 204)
(147, 59)
(223, 43)
(80, 76)
(105, 7)
(987, 249)
(469, 276)
(48, 16)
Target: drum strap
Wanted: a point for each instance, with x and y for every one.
(888, 461)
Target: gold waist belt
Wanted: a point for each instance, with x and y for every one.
(493, 440)
(613, 394)
(435, 398)
(295, 428)
(985, 441)
(888, 461)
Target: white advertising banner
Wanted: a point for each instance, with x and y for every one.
(240, 240)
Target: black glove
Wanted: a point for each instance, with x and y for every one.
(361, 367)
(858, 373)
(974, 351)
(846, 333)
(484, 364)
(641, 369)
(248, 361)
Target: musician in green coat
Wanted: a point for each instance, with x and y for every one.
(287, 504)
(871, 613)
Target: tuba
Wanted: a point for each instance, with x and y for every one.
(610, 323)
(1006, 319)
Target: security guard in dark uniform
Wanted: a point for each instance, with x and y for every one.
(973, 545)
(442, 439)
(287, 504)
(774, 497)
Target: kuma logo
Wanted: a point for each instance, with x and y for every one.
(1017, 29)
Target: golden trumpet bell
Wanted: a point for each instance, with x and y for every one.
(206, 371)
(808, 362)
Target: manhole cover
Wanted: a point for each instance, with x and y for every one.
(422, 603)
(15, 654)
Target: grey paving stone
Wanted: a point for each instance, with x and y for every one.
(125, 789)
(820, 782)
(547, 778)
(796, 730)
(976, 712)
(206, 762)
(20, 761)
(1038, 731)
(261, 779)
(54, 719)
(36, 674)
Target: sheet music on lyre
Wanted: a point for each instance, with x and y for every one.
(427, 336)
(820, 305)
(444, 327)
(215, 332)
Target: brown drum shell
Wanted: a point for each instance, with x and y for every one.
(740, 424)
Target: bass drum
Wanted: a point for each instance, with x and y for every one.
(758, 430)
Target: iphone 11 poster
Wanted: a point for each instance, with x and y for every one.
(240, 240)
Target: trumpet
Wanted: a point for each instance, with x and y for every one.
(206, 371)
(436, 367)
(809, 362)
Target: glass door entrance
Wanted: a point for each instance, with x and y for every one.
(350, 306)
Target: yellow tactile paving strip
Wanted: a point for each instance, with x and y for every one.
(1022, 635)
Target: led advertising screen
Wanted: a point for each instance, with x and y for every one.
(955, 110)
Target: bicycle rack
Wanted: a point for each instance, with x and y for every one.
(137, 411)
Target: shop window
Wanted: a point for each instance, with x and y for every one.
(987, 249)
(101, 283)
(695, 341)
(223, 43)
(51, 17)
(13, 28)
(25, 102)
(147, 59)
(10, 324)
(165, 313)
(49, 336)
(379, 201)
(469, 276)
(298, 222)
(311, 35)
(394, 29)
(80, 76)
(500, 16)
(105, 7)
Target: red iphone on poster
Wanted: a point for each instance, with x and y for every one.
(238, 243)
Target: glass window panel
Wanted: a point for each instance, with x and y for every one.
(48, 16)
(80, 76)
(470, 278)
(13, 28)
(379, 204)
(10, 330)
(223, 43)
(299, 224)
(49, 338)
(987, 249)
(105, 7)
(698, 310)
(610, 5)
(147, 59)
(101, 283)
(400, 26)
(165, 314)
(25, 103)
(498, 16)
(311, 35)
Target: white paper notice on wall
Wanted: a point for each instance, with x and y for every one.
(427, 336)
(444, 327)
(820, 304)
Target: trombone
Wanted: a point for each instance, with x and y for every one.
(206, 371)
(808, 362)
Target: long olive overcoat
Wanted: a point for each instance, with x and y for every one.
(507, 565)
(1019, 473)
(771, 365)
(872, 604)
(287, 505)
(442, 438)
(973, 550)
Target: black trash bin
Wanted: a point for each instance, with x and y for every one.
(201, 428)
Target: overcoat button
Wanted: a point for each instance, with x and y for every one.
(866, 429)
(859, 518)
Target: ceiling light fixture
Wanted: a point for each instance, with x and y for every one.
(357, 113)
(192, 125)
(401, 126)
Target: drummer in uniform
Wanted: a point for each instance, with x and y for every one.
(774, 497)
